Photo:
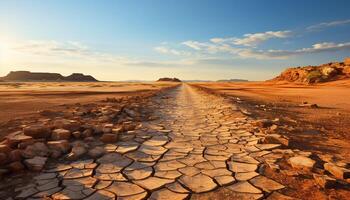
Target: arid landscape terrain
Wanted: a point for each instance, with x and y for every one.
(198, 140)
(174, 100)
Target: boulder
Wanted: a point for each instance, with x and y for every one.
(37, 131)
(301, 163)
(71, 125)
(96, 152)
(15, 138)
(77, 151)
(61, 134)
(36, 164)
(109, 138)
(338, 172)
(62, 146)
(36, 149)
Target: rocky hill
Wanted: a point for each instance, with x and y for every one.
(42, 76)
(169, 79)
(316, 74)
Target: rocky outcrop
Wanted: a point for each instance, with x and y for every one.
(315, 74)
(42, 76)
(169, 79)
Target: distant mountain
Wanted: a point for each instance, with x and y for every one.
(43, 76)
(169, 79)
(233, 80)
(197, 81)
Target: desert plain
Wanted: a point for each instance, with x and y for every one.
(155, 140)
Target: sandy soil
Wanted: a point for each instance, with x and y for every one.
(325, 129)
(25, 99)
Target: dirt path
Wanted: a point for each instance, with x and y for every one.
(198, 143)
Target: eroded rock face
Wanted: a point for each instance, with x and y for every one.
(315, 74)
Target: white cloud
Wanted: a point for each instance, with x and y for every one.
(50, 49)
(195, 45)
(325, 25)
(166, 50)
(282, 54)
(251, 40)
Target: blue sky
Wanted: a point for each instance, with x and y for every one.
(189, 39)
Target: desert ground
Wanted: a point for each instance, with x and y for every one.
(174, 141)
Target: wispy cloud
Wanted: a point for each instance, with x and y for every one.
(252, 40)
(326, 25)
(166, 50)
(62, 50)
(282, 54)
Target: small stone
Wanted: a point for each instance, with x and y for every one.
(37, 131)
(96, 152)
(338, 172)
(36, 164)
(76, 134)
(76, 152)
(16, 167)
(15, 155)
(37, 149)
(60, 145)
(301, 163)
(325, 181)
(276, 139)
(109, 138)
(70, 125)
(61, 134)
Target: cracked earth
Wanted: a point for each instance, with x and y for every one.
(197, 143)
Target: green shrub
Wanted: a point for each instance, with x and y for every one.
(313, 76)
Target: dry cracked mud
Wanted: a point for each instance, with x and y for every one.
(197, 143)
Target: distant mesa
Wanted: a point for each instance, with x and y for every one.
(169, 79)
(316, 74)
(232, 80)
(43, 76)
